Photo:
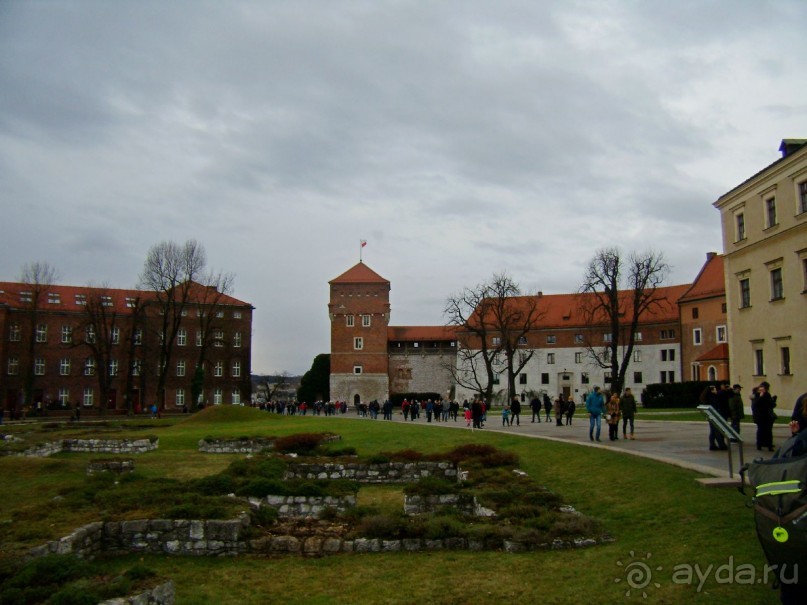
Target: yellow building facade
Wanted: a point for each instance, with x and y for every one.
(764, 224)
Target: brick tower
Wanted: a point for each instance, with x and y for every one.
(359, 310)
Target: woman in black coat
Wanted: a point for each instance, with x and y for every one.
(762, 408)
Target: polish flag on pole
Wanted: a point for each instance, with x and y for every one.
(362, 244)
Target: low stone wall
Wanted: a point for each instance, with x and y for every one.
(465, 503)
(235, 446)
(95, 446)
(159, 595)
(387, 472)
(305, 506)
(110, 466)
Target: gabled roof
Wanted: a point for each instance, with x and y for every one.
(63, 298)
(710, 281)
(719, 353)
(568, 310)
(421, 333)
(359, 274)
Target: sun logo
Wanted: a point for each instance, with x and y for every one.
(637, 575)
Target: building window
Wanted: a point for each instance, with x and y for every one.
(803, 197)
(668, 355)
(81, 299)
(550, 358)
(721, 334)
(236, 397)
(218, 338)
(42, 333)
(637, 337)
(697, 336)
(607, 378)
(181, 367)
(695, 313)
(497, 341)
(217, 397)
(26, 297)
(522, 379)
(182, 337)
(663, 379)
(39, 366)
(14, 332)
(88, 396)
(138, 336)
(365, 321)
(67, 335)
(218, 369)
(106, 301)
(696, 371)
(137, 367)
(495, 379)
(113, 367)
(200, 338)
(550, 340)
(89, 366)
(637, 378)
(578, 357)
(637, 356)
(179, 399)
(745, 293)
(357, 369)
(607, 337)
(130, 302)
(759, 362)
(770, 212)
(219, 314)
(358, 343)
(54, 298)
(237, 340)
(89, 334)
(740, 226)
(584, 379)
(777, 288)
(13, 367)
(236, 314)
(64, 396)
(236, 369)
(522, 340)
(64, 367)
(723, 308)
(784, 353)
(350, 321)
(578, 339)
(544, 378)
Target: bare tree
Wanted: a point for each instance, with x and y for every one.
(100, 334)
(494, 321)
(616, 291)
(37, 277)
(170, 272)
(277, 385)
(208, 299)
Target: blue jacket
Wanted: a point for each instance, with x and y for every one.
(595, 403)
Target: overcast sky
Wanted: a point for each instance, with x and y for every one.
(458, 138)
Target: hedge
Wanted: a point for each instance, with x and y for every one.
(675, 394)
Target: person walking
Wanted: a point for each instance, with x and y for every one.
(613, 417)
(570, 408)
(515, 412)
(535, 406)
(627, 406)
(558, 409)
(506, 415)
(595, 406)
(547, 405)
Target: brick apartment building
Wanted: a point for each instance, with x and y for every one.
(64, 346)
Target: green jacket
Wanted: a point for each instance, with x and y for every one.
(736, 411)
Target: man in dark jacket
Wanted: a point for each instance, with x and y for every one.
(515, 411)
(627, 405)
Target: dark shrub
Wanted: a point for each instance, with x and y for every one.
(301, 443)
(407, 455)
(75, 594)
(380, 526)
(260, 487)
(431, 486)
(139, 572)
(441, 527)
(336, 453)
(214, 485)
(309, 489)
(265, 516)
(378, 459)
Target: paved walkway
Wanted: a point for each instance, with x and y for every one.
(683, 443)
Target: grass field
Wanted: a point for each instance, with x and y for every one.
(663, 522)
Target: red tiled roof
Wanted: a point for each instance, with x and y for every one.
(709, 282)
(63, 298)
(567, 310)
(421, 333)
(359, 274)
(719, 353)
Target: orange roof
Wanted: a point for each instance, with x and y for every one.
(710, 281)
(63, 298)
(719, 353)
(567, 310)
(359, 274)
(421, 333)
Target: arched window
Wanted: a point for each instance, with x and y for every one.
(712, 373)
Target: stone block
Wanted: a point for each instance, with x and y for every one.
(197, 530)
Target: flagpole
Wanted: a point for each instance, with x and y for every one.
(360, 247)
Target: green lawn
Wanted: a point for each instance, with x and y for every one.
(658, 514)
